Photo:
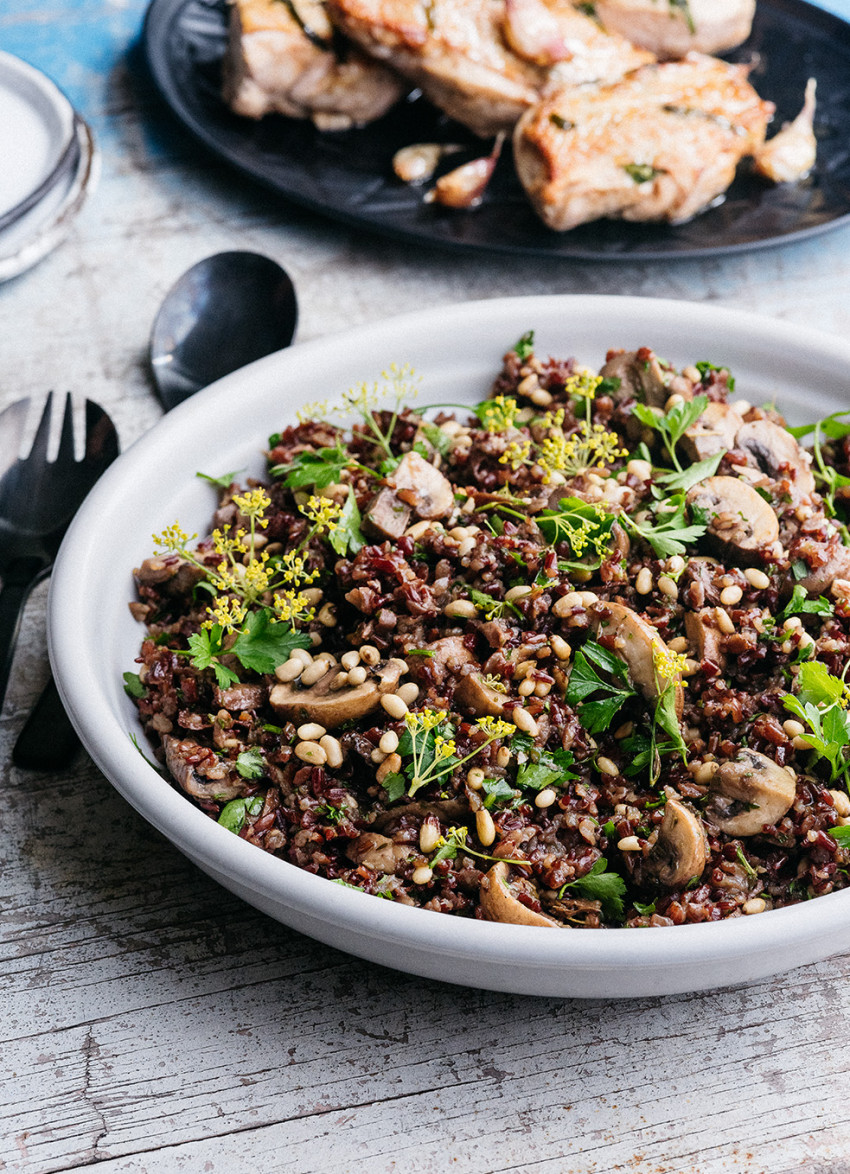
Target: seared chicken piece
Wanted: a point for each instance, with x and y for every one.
(659, 145)
(464, 53)
(672, 28)
(283, 56)
(790, 154)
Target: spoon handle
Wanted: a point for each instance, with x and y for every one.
(19, 580)
(48, 741)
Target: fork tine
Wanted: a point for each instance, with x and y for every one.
(42, 436)
(66, 439)
(101, 436)
(12, 421)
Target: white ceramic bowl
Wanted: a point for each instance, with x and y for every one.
(457, 350)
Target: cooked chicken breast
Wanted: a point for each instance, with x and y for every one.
(672, 28)
(484, 62)
(659, 145)
(283, 56)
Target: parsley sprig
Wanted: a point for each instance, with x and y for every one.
(821, 704)
(608, 888)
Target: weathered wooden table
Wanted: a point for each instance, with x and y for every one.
(152, 1022)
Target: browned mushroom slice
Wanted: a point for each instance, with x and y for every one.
(241, 696)
(448, 656)
(378, 852)
(749, 793)
(680, 852)
(705, 636)
(713, 432)
(475, 696)
(329, 707)
(640, 375)
(447, 810)
(740, 522)
(819, 580)
(499, 901)
(638, 644)
(775, 452)
(386, 516)
(199, 772)
(422, 487)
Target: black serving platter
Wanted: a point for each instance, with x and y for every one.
(348, 175)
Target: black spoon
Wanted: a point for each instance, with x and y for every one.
(223, 313)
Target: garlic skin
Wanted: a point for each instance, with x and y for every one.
(465, 186)
(790, 154)
(418, 162)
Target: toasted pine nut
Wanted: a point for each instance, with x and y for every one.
(668, 587)
(560, 647)
(314, 672)
(394, 705)
(516, 593)
(333, 750)
(503, 756)
(756, 578)
(606, 766)
(461, 609)
(729, 596)
(643, 582)
(389, 742)
(310, 732)
(408, 692)
(422, 875)
(390, 766)
(327, 616)
(429, 833)
(311, 752)
(523, 720)
(841, 802)
(678, 644)
(474, 778)
(369, 654)
(793, 728)
(301, 654)
(545, 798)
(357, 675)
(485, 827)
(526, 687)
(754, 905)
(705, 773)
(724, 621)
(629, 844)
(350, 660)
(289, 670)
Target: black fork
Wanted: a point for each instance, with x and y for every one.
(38, 499)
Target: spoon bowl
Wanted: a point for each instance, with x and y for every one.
(223, 313)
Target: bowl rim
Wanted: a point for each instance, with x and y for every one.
(90, 697)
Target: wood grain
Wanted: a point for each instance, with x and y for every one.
(150, 1020)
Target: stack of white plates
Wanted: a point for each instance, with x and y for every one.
(49, 165)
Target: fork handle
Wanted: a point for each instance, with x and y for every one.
(48, 741)
(19, 580)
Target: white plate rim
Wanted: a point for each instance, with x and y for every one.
(814, 926)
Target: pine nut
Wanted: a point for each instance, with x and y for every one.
(841, 802)
(408, 692)
(800, 743)
(350, 660)
(314, 672)
(542, 688)
(729, 596)
(289, 670)
(705, 773)
(676, 564)
(629, 844)
(678, 644)
(640, 469)
(541, 398)
(523, 669)
(310, 732)
(422, 875)
(461, 609)
(327, 616)
(624, 731)
(668, 587)
(643, 582)
(792, 624)
(588, 598)
(301, 654)
(475, 778)
(394, 705)
(754, 905)
(357, 675)
(503, 756)
(313, 595)
(523, 720)
(340, 681)
(560, 647)
(793, 728)
(466, 547)
(389, 742)
(377, 756)
(724, 621)
(516, 593)
(333, 750)
(756, 578)
(545, 798)
(429, 833)
(526, 687)
(311, 752)
(369, 654)
(674, 401)
(418, 529)
(390, 766)
(606, 766)
(484, 826)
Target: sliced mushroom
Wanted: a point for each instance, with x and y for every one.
(740, 522)
(199, 773)
(705, 636)
(638, 644)
(378, 852)
(641, 376)
(386, 516)
(239, 697)
(680, 852)
(775, 452)
(713, 432)
(749, 793)
(176, 575)
(332, 708)
(447, 810)
(819, 580)
(499, 901)
(449, 655)
(422, 487)
(476, 697)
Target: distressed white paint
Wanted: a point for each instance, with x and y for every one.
(151, 1022)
